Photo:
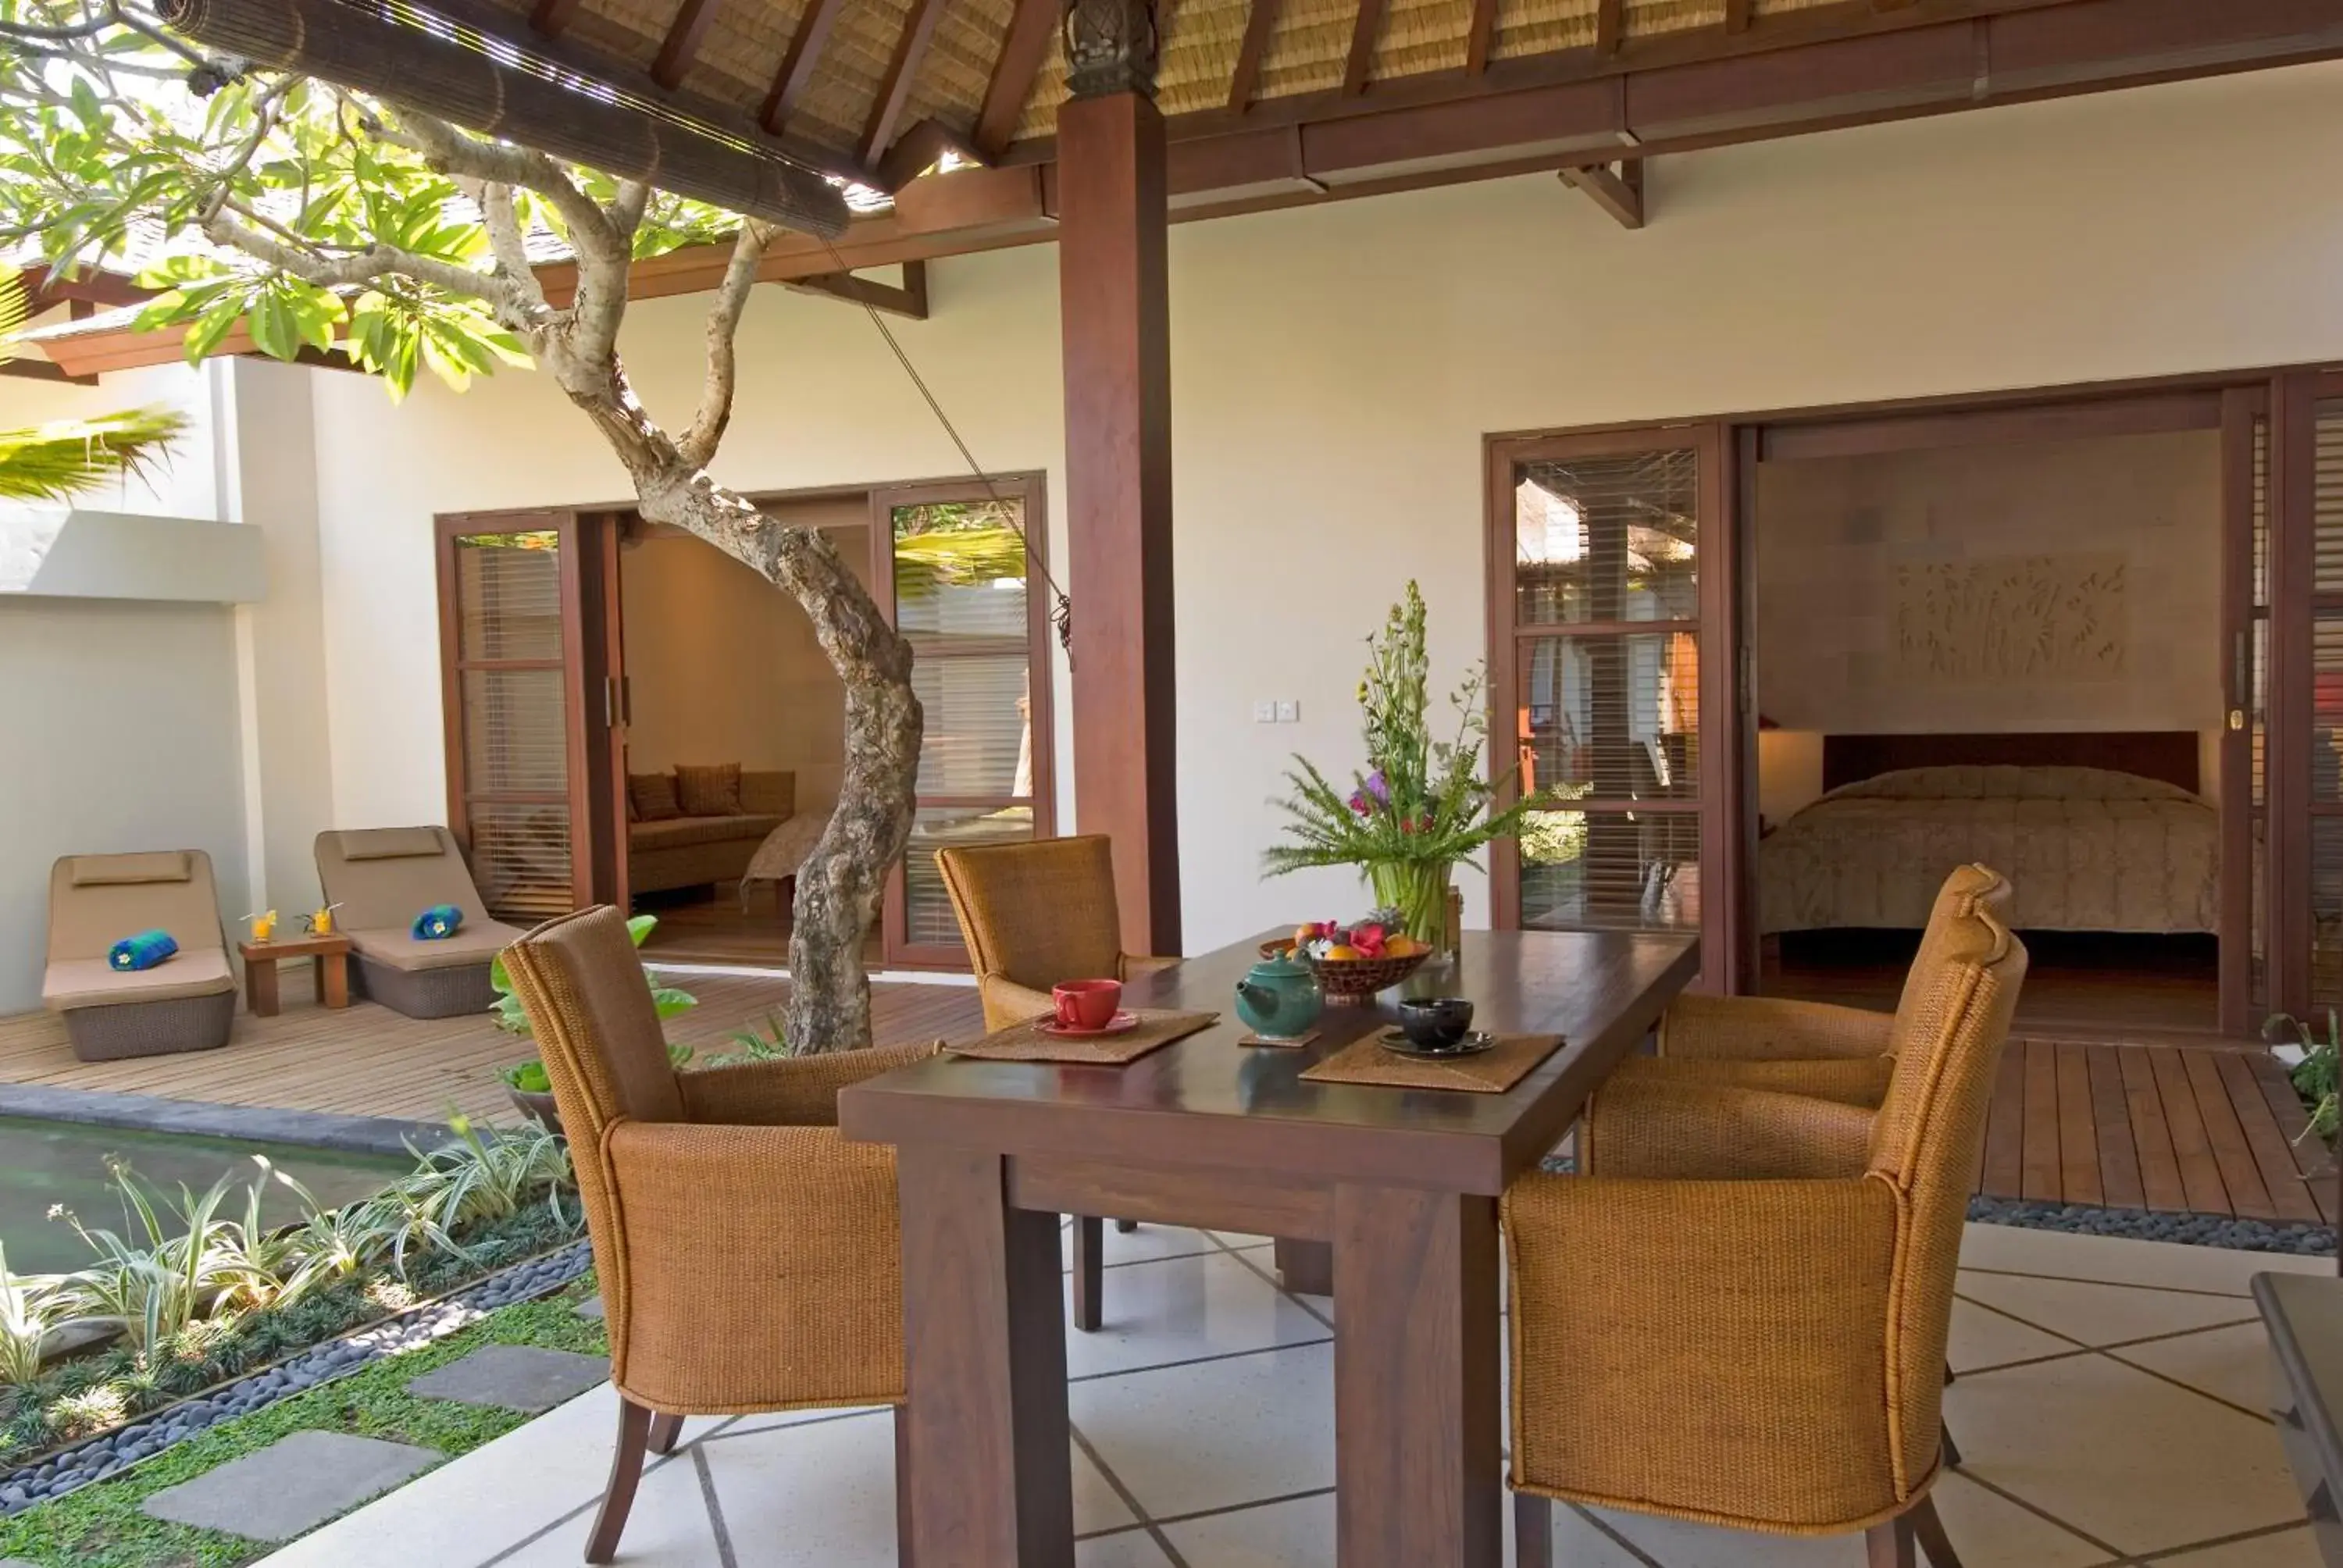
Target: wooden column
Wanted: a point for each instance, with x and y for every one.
(1115, 326)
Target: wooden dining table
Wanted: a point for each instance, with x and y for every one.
(1402, 1182)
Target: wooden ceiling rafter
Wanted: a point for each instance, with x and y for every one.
(682, 45)
(551, 18)
(895, 87)
(1023, 51)
(1244, 79)
(798, 63)
(908, 300)
(1481, 37)
(1737, 15)
(1610, 26)
(1616, 188)
(1358, 68)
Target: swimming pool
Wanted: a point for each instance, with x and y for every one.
(44, 1163)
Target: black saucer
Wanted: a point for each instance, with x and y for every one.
(1472, 1044)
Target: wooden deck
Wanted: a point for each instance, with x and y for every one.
(366, 1061)
(2176, 1129)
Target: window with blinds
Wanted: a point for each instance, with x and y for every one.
(964, 600)
(1603, 693)
(510, 688)
(2325, 704)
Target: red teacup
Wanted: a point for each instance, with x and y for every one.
(1087, 1003)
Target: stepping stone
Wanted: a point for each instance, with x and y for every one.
(592, 1307)
(292, 1486)
(516, 1377)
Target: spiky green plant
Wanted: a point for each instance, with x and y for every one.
(152, 1283)
(27, 1313)
(477, 1178)
(2317, 1076)
(62, 459)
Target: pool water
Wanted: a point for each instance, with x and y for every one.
(44, 1163)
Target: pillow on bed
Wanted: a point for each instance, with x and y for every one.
(1972, 783)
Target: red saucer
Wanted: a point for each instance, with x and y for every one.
(1122, 1023)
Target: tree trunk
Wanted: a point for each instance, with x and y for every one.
(840, 884)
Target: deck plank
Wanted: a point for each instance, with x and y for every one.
(2248, 1198)
(2290, 1195)
(2078, 1139)
(2159, 1169)
(2120, 1176)
(2004, 1174)
(2042, 1178)
(2200, 1174)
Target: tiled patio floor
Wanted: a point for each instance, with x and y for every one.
(2111, 1404)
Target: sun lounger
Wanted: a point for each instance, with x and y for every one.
(383, 878)
(185, 1003)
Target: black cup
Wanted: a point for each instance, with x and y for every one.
(1435, 1022)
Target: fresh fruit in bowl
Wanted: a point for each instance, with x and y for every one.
(1355, 961)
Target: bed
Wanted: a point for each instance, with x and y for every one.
(2096, 833)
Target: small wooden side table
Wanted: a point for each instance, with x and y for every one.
(329, 955)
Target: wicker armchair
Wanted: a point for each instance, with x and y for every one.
(1739, 1314)
(1838, 1053)
(1033, 915)
(750, 1260)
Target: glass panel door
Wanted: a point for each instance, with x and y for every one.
(955, 558)
(1602, 658)
(509, 635)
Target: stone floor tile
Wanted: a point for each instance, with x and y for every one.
(1215, 1434)
(1146, 1244)
(2120, 1260)
(1128, 1549)
(516, 1377)
(500, 1493)
(2101, 1314)
(1183, 1309)
(2122, 1456)
(2294, 1548)
(592, 1307)
(2231, 1363)
(292, 1486)
(668, 1527)
(1982, 1338)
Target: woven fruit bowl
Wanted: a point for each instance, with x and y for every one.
(1351, 981)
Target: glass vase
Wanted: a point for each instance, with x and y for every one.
(1418, 889)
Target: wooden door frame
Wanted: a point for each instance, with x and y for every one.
(1727, 824)
(576, 535)
(1031, 489)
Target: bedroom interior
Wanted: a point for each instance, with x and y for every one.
(2008, 651)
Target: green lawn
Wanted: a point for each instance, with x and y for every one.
(101, 1526)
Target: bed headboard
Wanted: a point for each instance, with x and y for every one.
(2169, 755)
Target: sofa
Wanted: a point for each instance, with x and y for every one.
(696, 848)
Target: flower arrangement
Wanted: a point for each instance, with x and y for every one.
(1421, 805)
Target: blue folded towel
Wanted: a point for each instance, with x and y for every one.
(436, 923)
(143, 951)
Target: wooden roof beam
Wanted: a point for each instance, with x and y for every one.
(1610, 26)
(27, 369)
(551, 18)
(1246, 79)
(1737, 15)
(1482, 39)
(1023, 51)
(797, 61)
(1363, 33)
(895, 87)
(908, 301)
(1619, 192)
(920, 149)
(682, 45)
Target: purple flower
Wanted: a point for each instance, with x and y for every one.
(1375, 787)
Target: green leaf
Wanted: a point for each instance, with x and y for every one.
(274, 330)
(212, 326)
(640, 927)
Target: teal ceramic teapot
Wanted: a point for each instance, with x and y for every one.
(1279, 998)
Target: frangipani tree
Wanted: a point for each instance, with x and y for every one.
(323, 217)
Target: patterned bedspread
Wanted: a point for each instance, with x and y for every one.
(2085, 851)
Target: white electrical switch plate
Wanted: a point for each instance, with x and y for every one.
(1289, 712)
(1264, 713)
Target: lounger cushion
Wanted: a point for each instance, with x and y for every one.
(471, 944)
(113, 870)
(72, 983)
(390, 843)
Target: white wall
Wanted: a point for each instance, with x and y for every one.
(1334, 371)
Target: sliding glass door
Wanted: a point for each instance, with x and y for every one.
(1615, 629)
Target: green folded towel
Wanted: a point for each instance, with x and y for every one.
(437, 923)
(142, 952)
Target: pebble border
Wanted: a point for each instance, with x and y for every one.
(113, 1452)
(2294, 1236)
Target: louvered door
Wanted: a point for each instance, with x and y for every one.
(1614, 664)
(522, 790)
(953, 572)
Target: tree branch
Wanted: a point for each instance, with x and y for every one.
(368, 265)
(591, 230)
(723, 328)
(504, 239)
(627, 207)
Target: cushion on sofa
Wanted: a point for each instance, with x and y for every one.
(681, 833)
(709, 791)
(122, 871)
(652, 796)
(390, 843)
(471, 944)
(70, 983)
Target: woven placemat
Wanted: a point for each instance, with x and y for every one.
(1493, 1072)
(1026, 1042)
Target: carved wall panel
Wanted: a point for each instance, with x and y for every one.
(2011, 618)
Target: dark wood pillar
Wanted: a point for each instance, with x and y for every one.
(1115, 325)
